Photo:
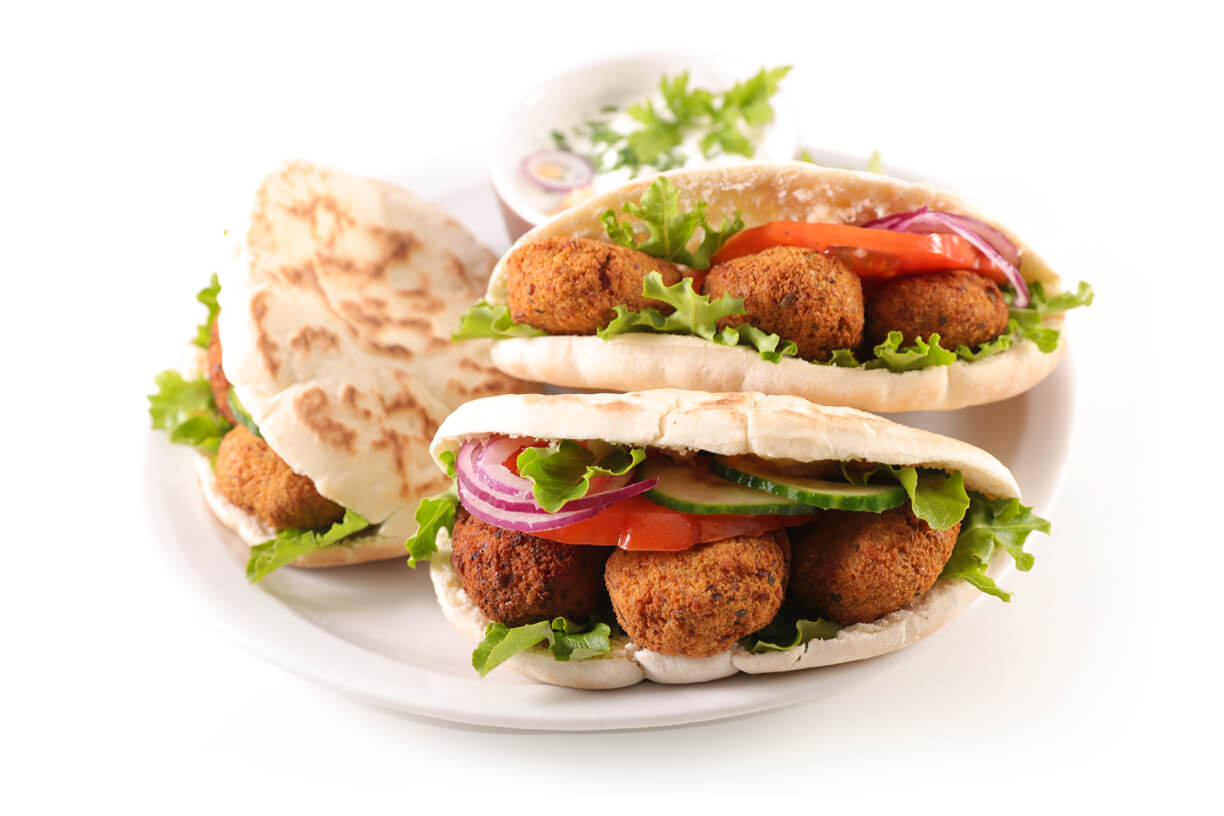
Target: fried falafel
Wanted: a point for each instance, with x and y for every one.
(252, 476)
(517, 579)
(853, 567)
(964, 307)
(217, 380)
(569, 285)
(697, 602)
(796, 293)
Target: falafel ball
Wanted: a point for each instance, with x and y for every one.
(699, 601)
(216, 377)
(796, 293)
(569, 285)
(252, 476)
(964, 307)
(516, 578)
(853, 567)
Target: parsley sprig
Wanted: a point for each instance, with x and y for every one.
(723, 121)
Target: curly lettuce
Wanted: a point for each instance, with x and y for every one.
(1025, 323)
(432, 514)
(207, 296)
(922, 354)
(694, 315)
(566, 640)
(786, 632)
(291, 544)
(563, 471)
(990, 524)
(186, 409)
(936, 497)
(669, 229)
(485, 320)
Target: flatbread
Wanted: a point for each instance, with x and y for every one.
(335, 329)
(763, 192)
(769, 426)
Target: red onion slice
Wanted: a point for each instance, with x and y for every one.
(558, 171)
(522, 522)
(485, 463)
(997, 247)
(472, 466)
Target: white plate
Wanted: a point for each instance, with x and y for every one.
(376, 632)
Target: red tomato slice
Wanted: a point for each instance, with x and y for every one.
(869, 253)
(640, 524)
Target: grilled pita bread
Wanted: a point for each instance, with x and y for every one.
(335, 328)
(764, 192)
(771, 427)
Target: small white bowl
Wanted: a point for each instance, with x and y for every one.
(566, 100)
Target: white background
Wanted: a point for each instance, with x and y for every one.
(1092, 130)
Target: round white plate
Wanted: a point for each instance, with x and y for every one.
(376, 632)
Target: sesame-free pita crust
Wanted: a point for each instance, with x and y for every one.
(335, 327)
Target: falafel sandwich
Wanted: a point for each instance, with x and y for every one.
(842, 287)
(598, 540)
(325, 366)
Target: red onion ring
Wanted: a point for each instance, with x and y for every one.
(519, 511)
(997, 247)
(521, 522)
(578, 170)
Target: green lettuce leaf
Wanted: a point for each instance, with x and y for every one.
(842, 358)
(447, 458)
(669, 229)
(922, 354)
(694, 315)
(874, 164)
(207, 296)
(291, 544)
(566, 639)
(787, 632)
(432, 514)
(562, 471)
(1001, 343)
(186, 409)
(485, 320)
(1026, 323)
(992, 523)
(936, 497)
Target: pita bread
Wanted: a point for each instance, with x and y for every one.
(769, 426)
(763, 192)
(335, 328)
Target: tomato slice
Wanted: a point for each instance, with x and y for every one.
(874, 254)
(638, 523)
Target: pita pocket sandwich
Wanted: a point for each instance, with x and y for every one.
(842, 287)
(325, 366)
(599, 540)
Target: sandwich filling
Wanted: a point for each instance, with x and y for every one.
(205, 413)
(567, 545)
(904, 292)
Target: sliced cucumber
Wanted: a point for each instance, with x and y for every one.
(809, 491)
(695, 491)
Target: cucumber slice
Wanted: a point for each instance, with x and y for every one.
(815, 492)
(695, 491)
